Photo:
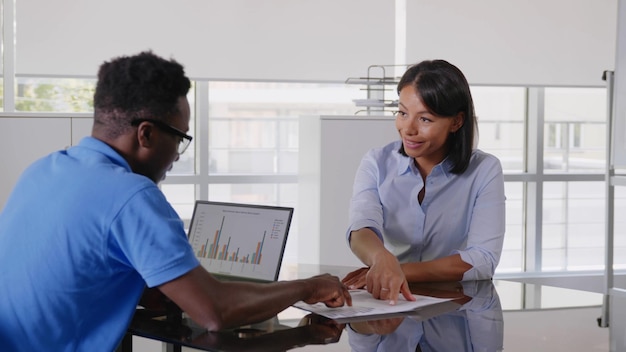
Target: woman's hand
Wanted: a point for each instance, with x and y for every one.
(385, 279)
(356, 279)
(379, 327)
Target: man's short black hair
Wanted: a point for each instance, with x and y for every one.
(140, 86)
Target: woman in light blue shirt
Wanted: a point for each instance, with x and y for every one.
(428, 207)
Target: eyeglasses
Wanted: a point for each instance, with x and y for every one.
(185, 139)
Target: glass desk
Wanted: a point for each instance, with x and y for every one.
(476, 320)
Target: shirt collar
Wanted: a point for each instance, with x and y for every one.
(406, 164)
(444, 167)
(103, 148)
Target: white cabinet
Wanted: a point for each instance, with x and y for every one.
(24, 139)
(81, 127)
(331, 148)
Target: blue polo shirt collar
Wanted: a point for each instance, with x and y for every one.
(103, 148)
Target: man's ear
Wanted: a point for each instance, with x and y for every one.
(145, 134)
(459, 119)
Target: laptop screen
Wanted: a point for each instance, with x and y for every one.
(240, 241)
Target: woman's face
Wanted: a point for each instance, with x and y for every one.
(423, 134)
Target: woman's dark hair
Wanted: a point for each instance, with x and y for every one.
(445, 92)
(140, 86)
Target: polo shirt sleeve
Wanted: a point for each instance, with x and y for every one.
(148, 236)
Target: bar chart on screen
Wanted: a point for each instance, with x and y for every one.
(238, 241)
(213, 250)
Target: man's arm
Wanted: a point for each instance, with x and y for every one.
(218, 305)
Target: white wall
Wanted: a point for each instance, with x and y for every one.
(246, 39)
(525, 42)
(557, 42)
(25, 139)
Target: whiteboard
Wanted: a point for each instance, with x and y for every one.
(618, 159)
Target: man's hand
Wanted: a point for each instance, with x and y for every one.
(329, 290)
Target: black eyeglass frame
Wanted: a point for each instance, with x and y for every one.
(184, 142)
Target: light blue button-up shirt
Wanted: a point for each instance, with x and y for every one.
(462, 214)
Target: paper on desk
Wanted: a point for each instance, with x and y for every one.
(364, 304)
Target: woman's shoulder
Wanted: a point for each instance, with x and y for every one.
(386, 157)
(385, 150)
(481, 155)
(483, 160)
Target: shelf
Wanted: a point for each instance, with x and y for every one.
(376, 103)
(369, 81)
(378, 85)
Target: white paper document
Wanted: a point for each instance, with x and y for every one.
(364, 304)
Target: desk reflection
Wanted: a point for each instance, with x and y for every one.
(312, 330)
(475, 324)
(266, 336)
(471, 321)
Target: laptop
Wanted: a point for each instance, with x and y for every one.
(240, 242)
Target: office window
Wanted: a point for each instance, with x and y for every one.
(575, 135)
(512, 259)
(575, 132)
(500, 113)
(247, 151)
(186, 164)
(553, 138)
(54, 94)
(253, 126)
(573, 226)
(253, 144)
(178, 195)
(619, 249)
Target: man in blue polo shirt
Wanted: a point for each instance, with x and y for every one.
(86, 229)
